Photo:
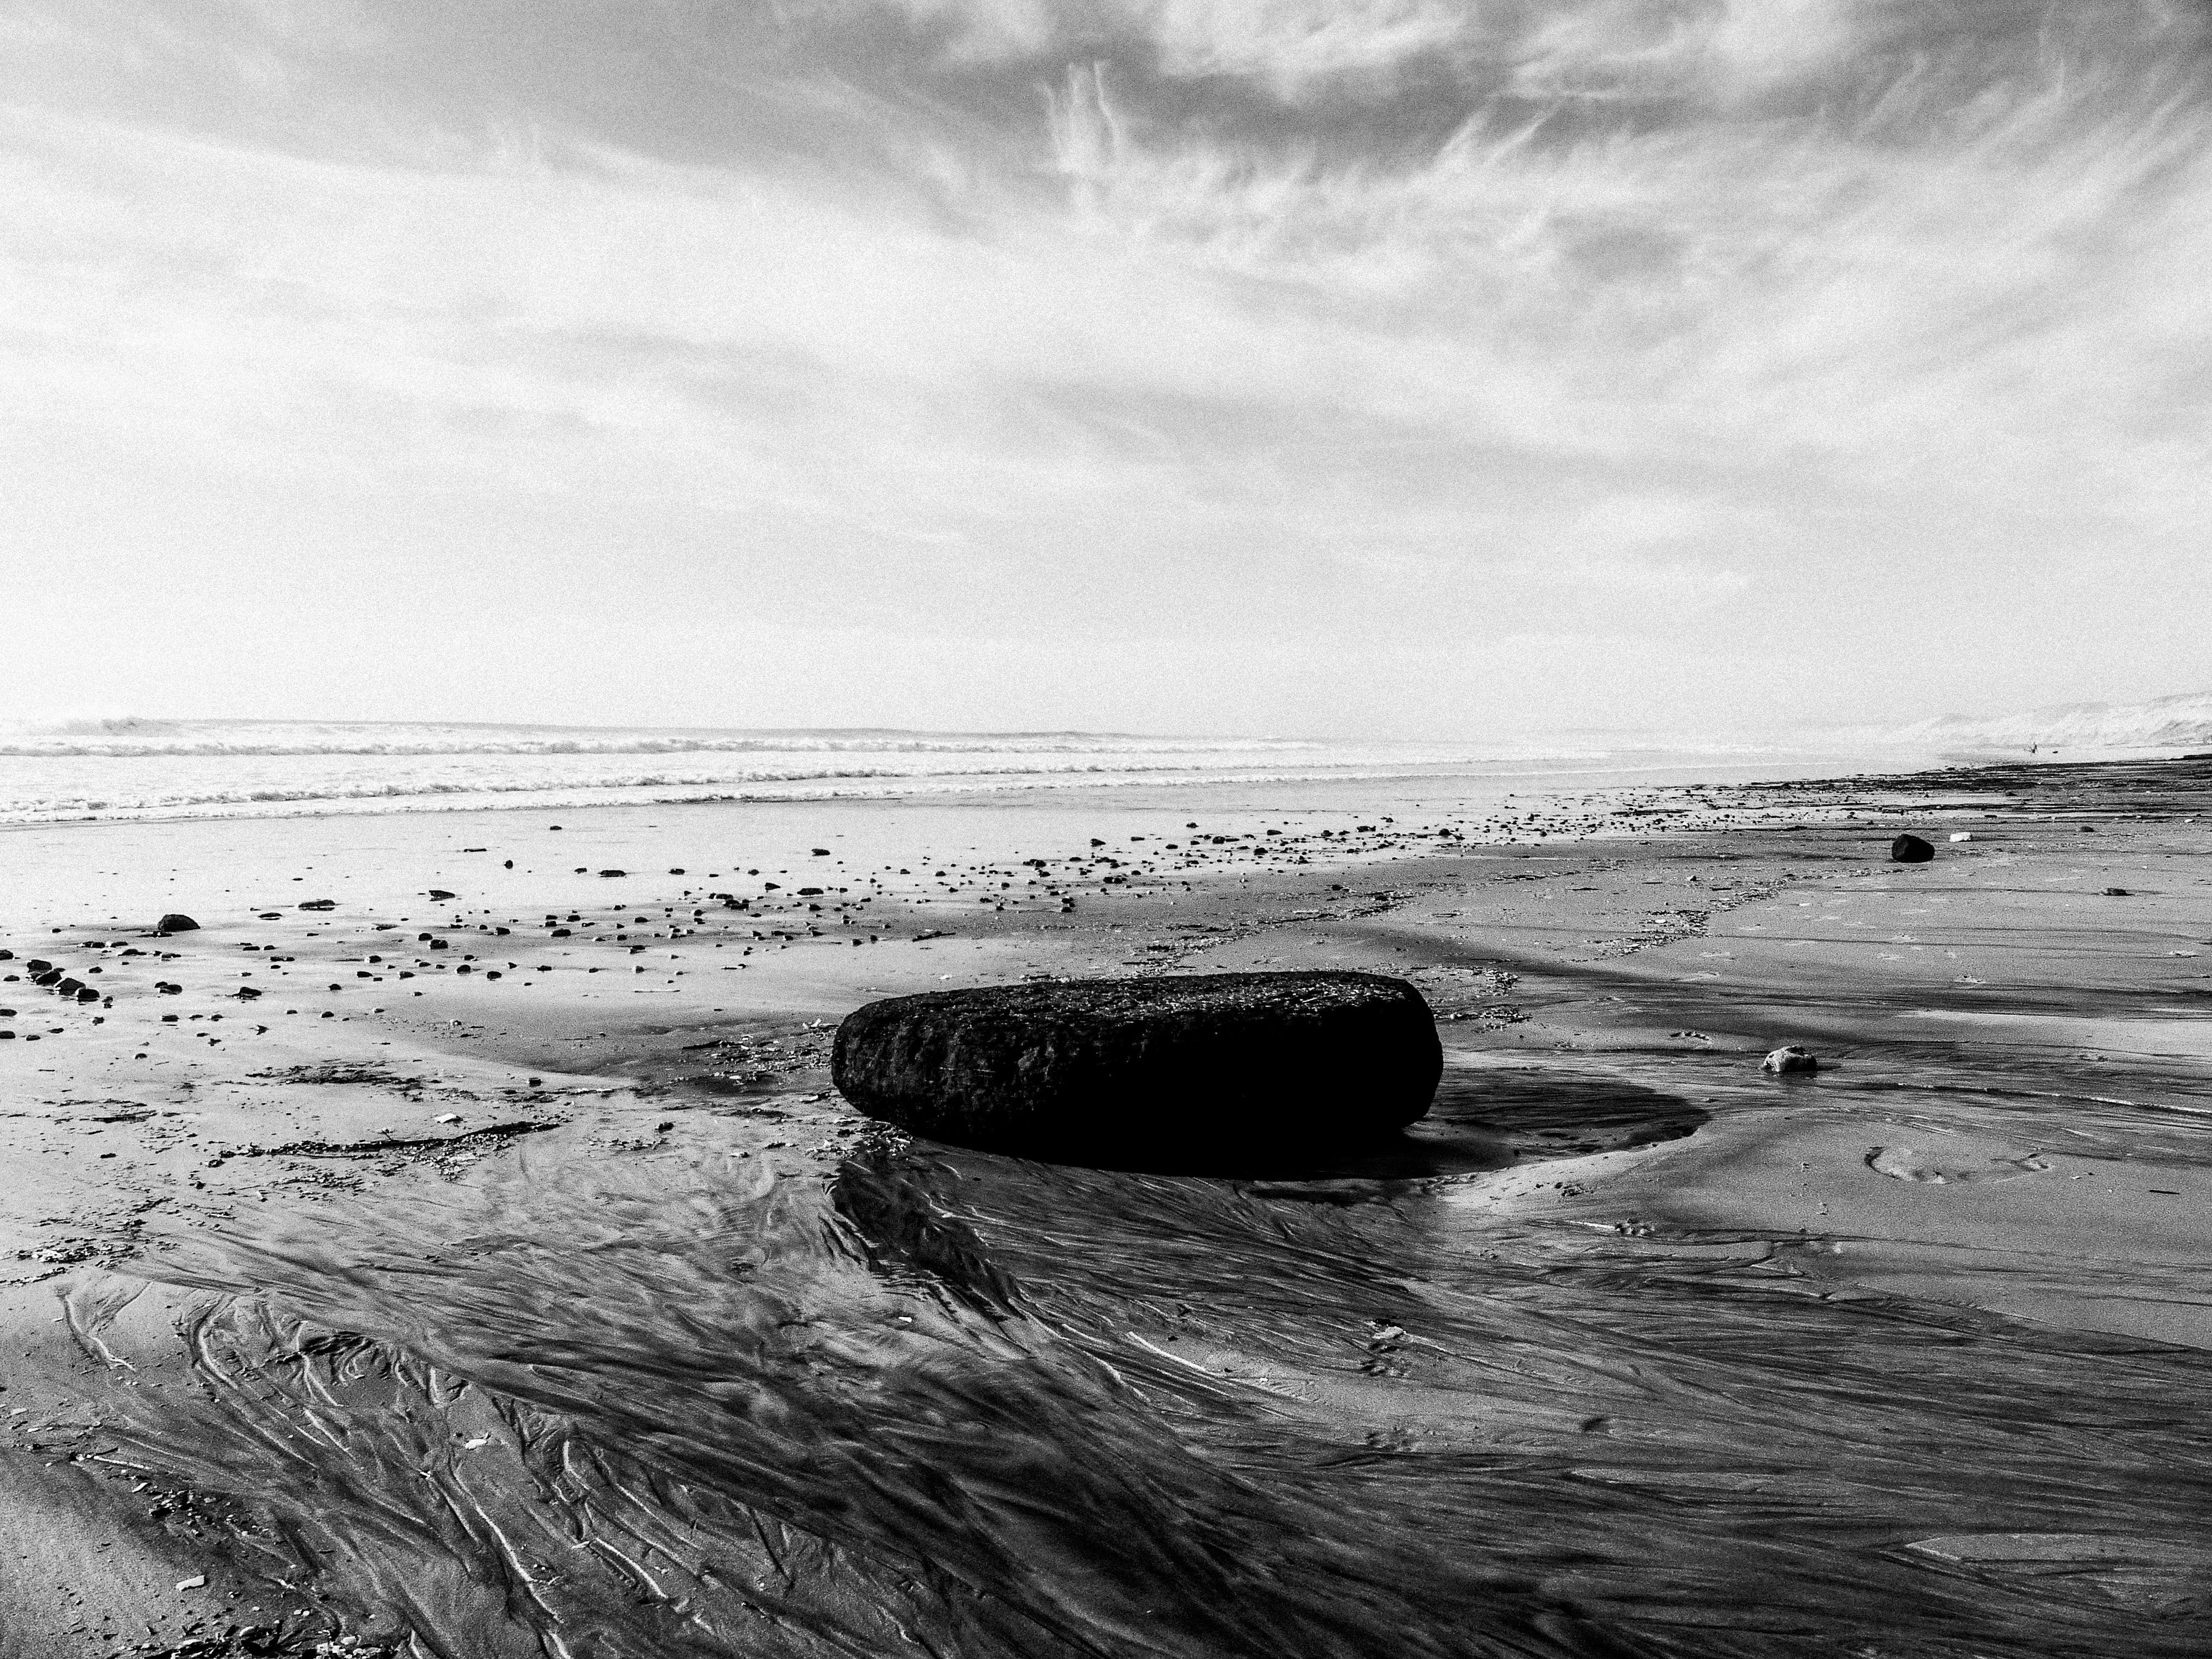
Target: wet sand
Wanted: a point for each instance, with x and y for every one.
(567, 1310)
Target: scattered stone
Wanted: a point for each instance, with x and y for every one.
(1160, 1070)
(1962, 835)
(1794, 1058)
(1910, 849)
(614, 872)
(439, 893)
(2116, 892)
(319, 904)
(176, 922)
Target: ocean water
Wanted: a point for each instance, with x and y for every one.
(139, 768)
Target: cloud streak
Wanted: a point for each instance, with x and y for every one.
(1318, 357)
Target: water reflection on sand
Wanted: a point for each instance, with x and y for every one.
(669, 1403)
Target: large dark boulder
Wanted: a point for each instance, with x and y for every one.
(1158, 1071)
(1910, 849)
(176, 923)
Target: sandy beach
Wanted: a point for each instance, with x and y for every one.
(554, 555)
(454, 1245)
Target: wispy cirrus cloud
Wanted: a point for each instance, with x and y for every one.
(1285, 343)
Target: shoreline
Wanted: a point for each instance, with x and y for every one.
(1658, 767)
(1603, 1000)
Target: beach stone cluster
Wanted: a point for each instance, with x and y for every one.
(1160, 1069)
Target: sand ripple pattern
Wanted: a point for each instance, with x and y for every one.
(960, 1405)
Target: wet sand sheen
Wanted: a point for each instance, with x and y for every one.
(1628, 1350)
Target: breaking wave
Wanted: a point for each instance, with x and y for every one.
(133, 769)
(135, 739)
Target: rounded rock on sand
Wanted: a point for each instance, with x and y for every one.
(1794, 1058)
(176, 922)
(1180, 1069)
(1910, 849)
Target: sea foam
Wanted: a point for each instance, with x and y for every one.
(135, 769)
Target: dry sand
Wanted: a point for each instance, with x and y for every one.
(1634, 962)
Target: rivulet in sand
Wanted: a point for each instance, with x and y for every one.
(495, 1273)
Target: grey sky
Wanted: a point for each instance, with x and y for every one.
(1377, 366)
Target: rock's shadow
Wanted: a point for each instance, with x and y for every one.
(1483, 1120)
(1425, 1149)
(1557, 1114)
(1488, 1121)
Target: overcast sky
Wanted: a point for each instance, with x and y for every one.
(1343, 367)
